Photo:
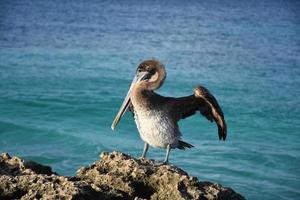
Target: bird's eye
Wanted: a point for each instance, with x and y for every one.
(152, 71)
(140, 70)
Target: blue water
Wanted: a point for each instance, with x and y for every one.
(65, 67)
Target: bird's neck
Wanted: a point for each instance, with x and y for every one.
(141, 96)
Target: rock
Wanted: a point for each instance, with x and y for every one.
(145, 179)
(16, 166)
(115, 176)
(30, 180)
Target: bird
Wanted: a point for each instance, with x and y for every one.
(157, 117)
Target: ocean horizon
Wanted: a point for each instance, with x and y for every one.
(65, 68)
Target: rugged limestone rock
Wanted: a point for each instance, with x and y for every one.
(144, 179)
(115, 176)
(29, 180)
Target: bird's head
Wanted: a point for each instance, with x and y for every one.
(150, 75)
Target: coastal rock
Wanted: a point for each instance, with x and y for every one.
(114, 176)
(20, 179)
(145, 179)
(15, 166)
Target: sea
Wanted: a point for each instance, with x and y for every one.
(66, 66)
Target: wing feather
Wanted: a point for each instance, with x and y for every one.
(204, 102)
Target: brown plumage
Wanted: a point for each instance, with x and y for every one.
(204, 102)
(157, 116)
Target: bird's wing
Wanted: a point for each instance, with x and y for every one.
(202, 101)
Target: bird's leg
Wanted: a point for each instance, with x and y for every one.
(167, 155)
(145, 150)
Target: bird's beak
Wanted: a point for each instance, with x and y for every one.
(138, 77)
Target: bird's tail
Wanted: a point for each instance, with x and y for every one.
(183, 145)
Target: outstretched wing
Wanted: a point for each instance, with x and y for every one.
(204, 102)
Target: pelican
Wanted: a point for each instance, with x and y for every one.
(157, 117)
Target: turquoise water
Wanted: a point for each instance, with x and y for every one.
(66, 66)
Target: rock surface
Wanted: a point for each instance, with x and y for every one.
(115, 176)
